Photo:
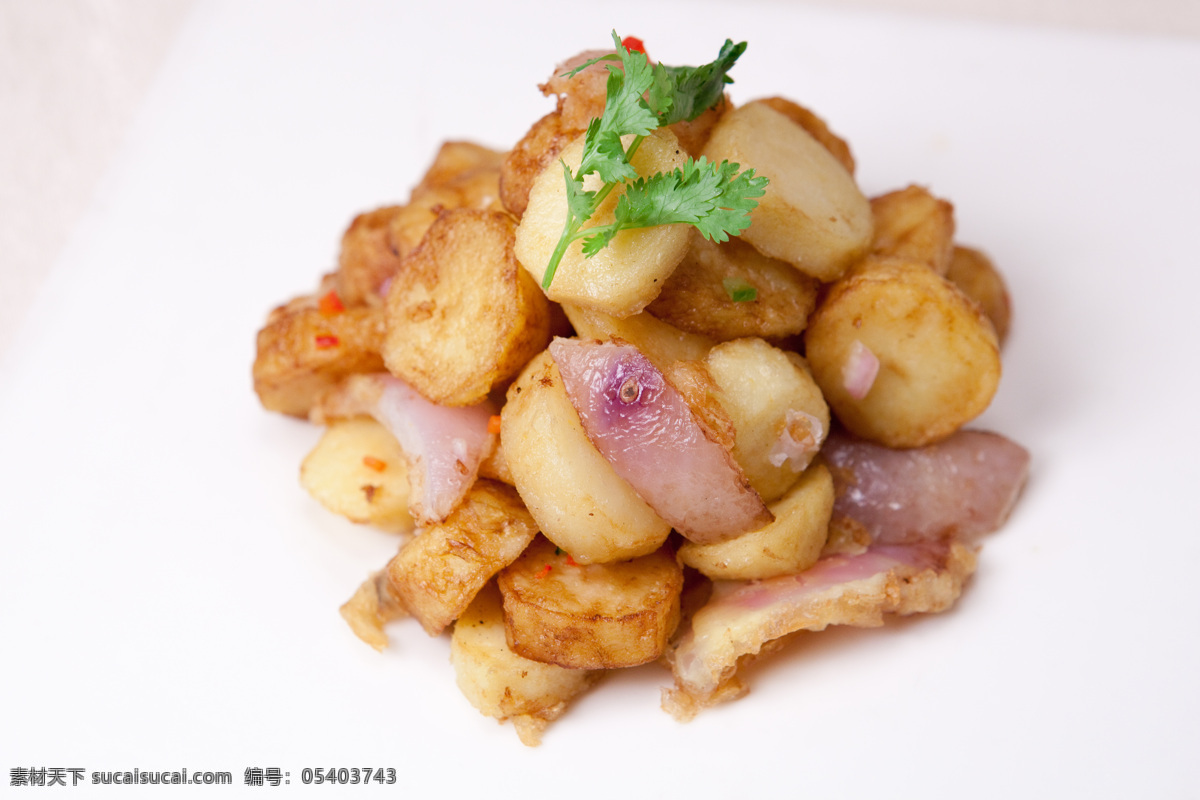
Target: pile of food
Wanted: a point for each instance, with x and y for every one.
(658, 384)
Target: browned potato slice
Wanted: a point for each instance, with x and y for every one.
(698, 297)
(578, 500)
(495, 466)
(595, 616)
(303, 352)
(502, 684)
(776, 408)
(537, 149)
(816, 127)
(367, 259)
(661, 342)
(438, 573)
(374, 604)
(790, 544)
(975, 275)
(913, 224)
(462, 315)
(939, 361)
(627, 274)
(812, 216)
(463, 175)
(694, 134)
(358, 470)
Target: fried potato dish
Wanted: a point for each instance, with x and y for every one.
(653, 388)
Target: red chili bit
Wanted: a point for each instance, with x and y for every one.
(374, 463)
(544, 571)
(571, 561)
(494, 423)
(634, 44)
(330, 304)
(326, 342)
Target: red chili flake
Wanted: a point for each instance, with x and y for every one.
(544, 572)
(326, 342)
(634, 44)
(571, 561)
(494, 423)
(374, 463)
(330, 304)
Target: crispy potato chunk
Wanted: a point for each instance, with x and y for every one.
(627, 274)
(776, 408)
(596, 616)
(697, 297)
(502, 684)
(437, 574)
(816, 128)
(661, 342)
(812, 216)
(913, 224)
(790, 544)
(536, 150)
(694, 134)
(367, 259)
(373, 605)
(463, 175)
(462, 315)
(578, 500)
(358, 470)
(939, 361)
(976, 277)
(302, 353)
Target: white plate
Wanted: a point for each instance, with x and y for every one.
(170, 593)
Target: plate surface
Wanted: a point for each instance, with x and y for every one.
(170, 593)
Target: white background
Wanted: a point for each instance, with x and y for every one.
(169, 593)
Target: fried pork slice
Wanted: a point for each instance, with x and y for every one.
(374, 604)
(743, 616)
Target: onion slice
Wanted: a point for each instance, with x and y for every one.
(645, 429)
(860, 370)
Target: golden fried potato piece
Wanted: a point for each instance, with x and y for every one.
(911, 223)
(358, 470)
(303, 352)
(373, 605)
(790, 544)
(776, 408)
(939, 360)
(438, 573)
(816, 127)
(367, 258)
(812, 216)
(463, 175)
(578, 500)
(975, 275)
(693, 134)
(583, 95)
(627, 274)
(662, 342)
(595, 616)
(462, 315)
(502, 684)
(537, 149)
(698, 297)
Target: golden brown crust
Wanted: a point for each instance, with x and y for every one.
(912, 224)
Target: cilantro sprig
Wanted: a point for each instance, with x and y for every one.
(715, 198)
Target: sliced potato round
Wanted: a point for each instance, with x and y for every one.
(502, 684)
(776, 408)
(579, 502)
(438, 573)
(537, 149)
(816, 126)
(662, 342)
(462, 315)
(699, 295)
(627, 274)
(358, 470)
(911, 223)
(366, 259)
(977, 277)
(939, 361)
(813, 216)
(593, 616)
(790, 544)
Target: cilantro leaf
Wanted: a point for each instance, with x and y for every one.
(680, 93)
(739, 193)
(740, 290)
